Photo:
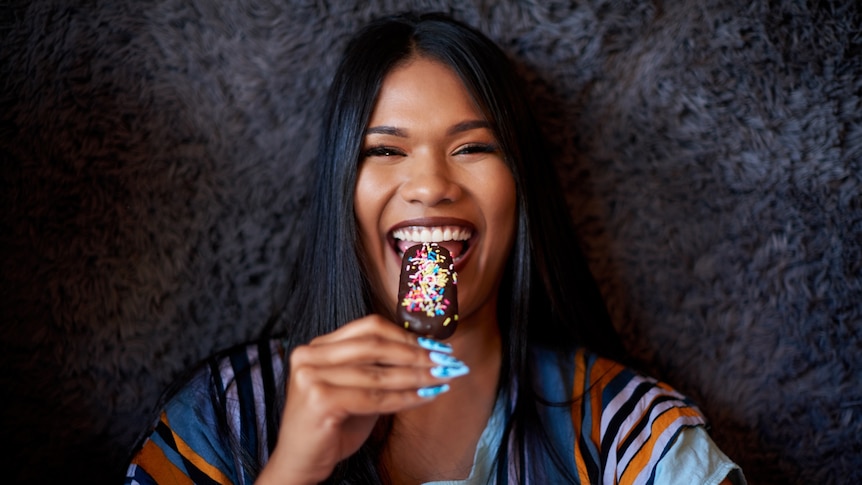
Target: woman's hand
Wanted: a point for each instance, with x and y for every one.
(340, 383)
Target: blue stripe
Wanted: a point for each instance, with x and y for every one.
(245, 393)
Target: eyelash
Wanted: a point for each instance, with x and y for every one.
(385, 151)
(477, 148)
(382, 151)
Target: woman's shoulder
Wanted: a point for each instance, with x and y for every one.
(580, 375)
(230, 376)
(254, 364)
(225, 400)
(619, 421)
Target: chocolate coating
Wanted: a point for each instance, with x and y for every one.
(428, 292)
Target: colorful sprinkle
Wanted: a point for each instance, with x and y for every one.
(428, 281)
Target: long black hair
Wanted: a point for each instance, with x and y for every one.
(548, 296)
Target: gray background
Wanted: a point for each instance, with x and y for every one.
(153, 160)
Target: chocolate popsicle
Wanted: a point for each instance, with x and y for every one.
(428, 292)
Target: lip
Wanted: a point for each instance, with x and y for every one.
(435, 222)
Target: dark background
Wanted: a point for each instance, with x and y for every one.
(152, 174)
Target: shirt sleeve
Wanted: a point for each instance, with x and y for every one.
(695, 458)
(215, 430)
(184, 446)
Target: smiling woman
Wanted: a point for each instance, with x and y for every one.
(431, 163)
(428, 138)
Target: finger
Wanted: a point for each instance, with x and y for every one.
(308, 391)
(380, 326)
(373, 401)
(388, 377)
(366, 350)
(371, 324)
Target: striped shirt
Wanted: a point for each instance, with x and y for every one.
(617, 426)
(620, 425)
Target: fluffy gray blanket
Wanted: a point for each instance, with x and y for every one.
(153, 158)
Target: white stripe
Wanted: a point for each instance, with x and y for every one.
(663, 441)
(645, 433)
(259, 404)
(232, 408)
(609, 474)
(613, 468)
(231, 397)
(130, 473)
(618, 402)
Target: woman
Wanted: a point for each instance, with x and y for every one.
(427, 136)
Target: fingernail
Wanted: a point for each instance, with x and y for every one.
(444, 372)
(432, 391)
(445, 359)
(431, 344)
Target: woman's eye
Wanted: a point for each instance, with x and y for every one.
(382, 151)
(476, 148)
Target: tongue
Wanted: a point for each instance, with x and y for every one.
(455, 247)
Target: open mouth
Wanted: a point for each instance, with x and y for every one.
(454, 238)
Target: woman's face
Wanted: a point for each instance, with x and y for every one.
(431, 170)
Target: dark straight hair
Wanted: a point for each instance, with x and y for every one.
(548, 296)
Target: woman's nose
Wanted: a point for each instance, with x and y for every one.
(430, 182)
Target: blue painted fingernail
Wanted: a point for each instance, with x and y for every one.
(445, 359)
(432, 344)
(432, 391)
(445, 372)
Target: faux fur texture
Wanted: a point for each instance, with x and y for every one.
(153, 174)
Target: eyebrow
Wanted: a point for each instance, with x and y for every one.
(457, 128)
(467, 126)
(386, 130)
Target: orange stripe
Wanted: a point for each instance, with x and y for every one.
(659, 426)
(153, 460)
(577, 419)
(189, 454)
(603, 371)
(665, 386)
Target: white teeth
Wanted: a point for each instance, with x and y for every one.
(432, 234)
